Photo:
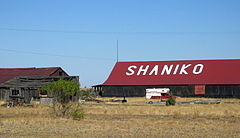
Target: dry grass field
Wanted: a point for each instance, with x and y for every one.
(132, 119)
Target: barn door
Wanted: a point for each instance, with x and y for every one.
(199, 89)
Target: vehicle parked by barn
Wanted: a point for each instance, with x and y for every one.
(158, 93)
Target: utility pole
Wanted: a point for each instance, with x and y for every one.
(117, 50)
(124, 96)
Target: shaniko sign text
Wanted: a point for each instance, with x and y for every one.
(181, 69)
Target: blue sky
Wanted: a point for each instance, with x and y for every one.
(80, 35)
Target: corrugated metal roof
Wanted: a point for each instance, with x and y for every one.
(10, 73)
(189, 72)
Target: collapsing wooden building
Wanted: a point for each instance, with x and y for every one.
(25, 82)
(208, 78)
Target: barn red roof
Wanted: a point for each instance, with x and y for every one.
(10, 73)
(187, 72)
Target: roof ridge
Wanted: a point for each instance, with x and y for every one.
(28, 68)
(16, 68)
(179, 60)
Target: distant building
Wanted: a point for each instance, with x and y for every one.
(208, 78)
(25, 82)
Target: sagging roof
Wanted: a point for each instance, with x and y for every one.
(10, 73)
(188, 72)
(35, 81)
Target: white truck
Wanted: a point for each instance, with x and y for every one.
(157, 93)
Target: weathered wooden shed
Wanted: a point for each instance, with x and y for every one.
(208, 78)
(25, 82)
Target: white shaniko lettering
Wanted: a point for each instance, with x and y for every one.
(200, 66)
(131, 71)
(141, 69)
(176, 69)
(167, 70)
(183, 71)
(154, 70)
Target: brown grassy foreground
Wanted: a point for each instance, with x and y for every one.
(132, 119)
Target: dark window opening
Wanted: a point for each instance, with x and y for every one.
(60, 73)
(15, 92)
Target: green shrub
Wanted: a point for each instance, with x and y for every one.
(69, 110)
(61, 90)
(170, 101)
(61, 110)
(86, 95)
(77, 114)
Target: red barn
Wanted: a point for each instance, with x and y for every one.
(210, 78)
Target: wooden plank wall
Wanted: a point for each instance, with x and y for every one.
(29, 85)
(212, 91)
(4, 93)
(140, 91)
